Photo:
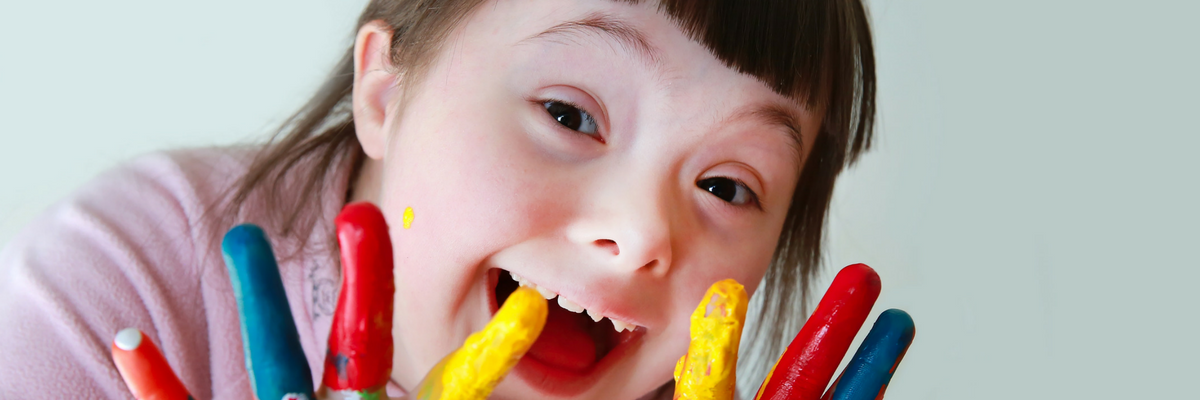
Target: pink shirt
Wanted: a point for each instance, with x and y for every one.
(139, 247)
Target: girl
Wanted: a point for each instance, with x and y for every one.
(619, 156)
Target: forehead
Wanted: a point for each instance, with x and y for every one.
(643, 43)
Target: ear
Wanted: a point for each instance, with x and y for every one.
(375, 86)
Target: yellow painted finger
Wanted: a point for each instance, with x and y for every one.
(472, 371)
(708, 370)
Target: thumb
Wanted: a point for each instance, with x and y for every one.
(707, 371)
(472, 371)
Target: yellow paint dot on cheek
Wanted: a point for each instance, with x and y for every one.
(408, 217)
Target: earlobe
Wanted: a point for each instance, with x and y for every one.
(375, 86)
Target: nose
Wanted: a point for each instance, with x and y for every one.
(628, 230)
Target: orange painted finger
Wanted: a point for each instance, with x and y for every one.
(707, 371)
(144, 369)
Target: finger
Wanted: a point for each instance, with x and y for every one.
(472, 371)
(274, 358)
(144, 369)
(707, 371)
(359, 360)
(868, 374)
(810, 360)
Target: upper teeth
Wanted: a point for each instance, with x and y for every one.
(571, 306)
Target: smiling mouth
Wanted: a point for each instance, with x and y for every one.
(573, 351)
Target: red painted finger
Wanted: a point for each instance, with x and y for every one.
(144, 369)
(360, 343)
(811, 359)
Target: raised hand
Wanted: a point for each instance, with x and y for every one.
(811, 359)
(358, 362)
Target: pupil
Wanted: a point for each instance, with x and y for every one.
(566, 115)
(724, 189)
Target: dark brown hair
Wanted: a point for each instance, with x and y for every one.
(817, 52)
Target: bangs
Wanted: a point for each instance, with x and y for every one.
(816, 52)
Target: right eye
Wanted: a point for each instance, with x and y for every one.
(571, 117)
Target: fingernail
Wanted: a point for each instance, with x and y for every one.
(144, 369)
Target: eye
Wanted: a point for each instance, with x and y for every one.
(571, 117)
(729, 190)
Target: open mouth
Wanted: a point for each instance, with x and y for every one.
(574, 349)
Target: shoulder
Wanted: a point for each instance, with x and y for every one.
(129, 248)
(156, 203)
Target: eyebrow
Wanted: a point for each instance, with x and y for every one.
(606, 27)
(781, 116)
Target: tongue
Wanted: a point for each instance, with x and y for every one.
(565, 342)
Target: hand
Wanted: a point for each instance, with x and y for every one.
(707, 371)
(358, 362)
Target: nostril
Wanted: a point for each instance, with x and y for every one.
(650, 265)
(610, 245)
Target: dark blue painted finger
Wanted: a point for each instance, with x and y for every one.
(868, 374)
(274, 358)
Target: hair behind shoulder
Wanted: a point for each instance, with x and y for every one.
(817, 52)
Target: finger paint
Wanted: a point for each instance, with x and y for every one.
(408, 217)
(875, 361)
(829, 392)
(472, 371)
(360, 342)
(708, 370)
(805, 368)
(274, 358)
(144, 368)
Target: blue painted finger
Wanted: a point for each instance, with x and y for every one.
(274, 358)
(868, 374)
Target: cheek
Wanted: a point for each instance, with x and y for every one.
(745, 260)
(460, 173)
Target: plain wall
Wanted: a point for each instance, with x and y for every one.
(1030, 201)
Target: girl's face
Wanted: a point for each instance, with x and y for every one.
(594, 150)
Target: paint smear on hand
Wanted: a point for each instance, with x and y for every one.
(472, 371)
(274, 357)
(805, 368)
(408, 217)
(144, 368)
(867, 375)
(359, 358)
(708, 370)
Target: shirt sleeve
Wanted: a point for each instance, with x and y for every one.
(119, 253)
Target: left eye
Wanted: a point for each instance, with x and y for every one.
(729, 190)
(571, 117)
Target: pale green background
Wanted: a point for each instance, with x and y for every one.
(1031, 200)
